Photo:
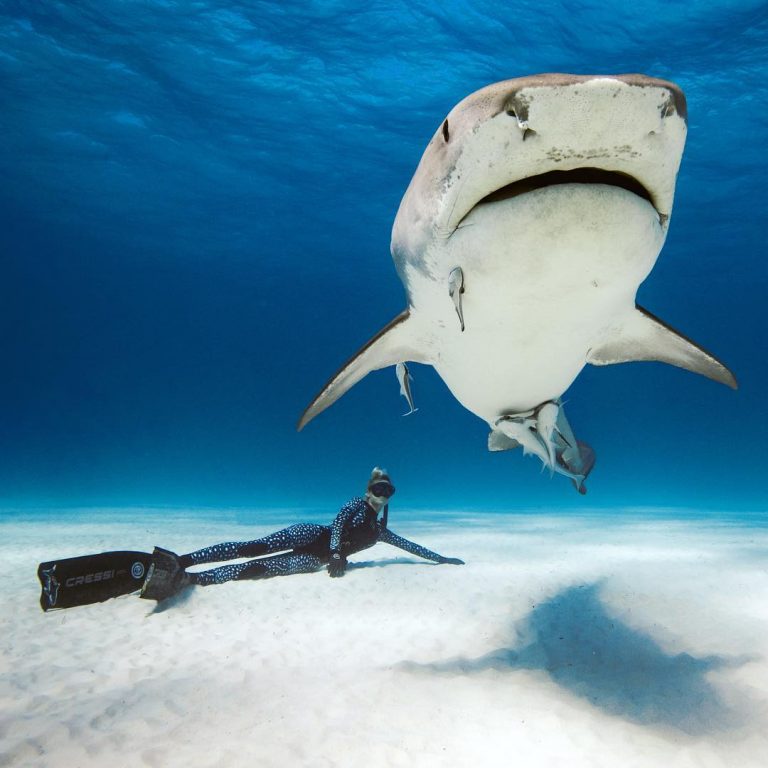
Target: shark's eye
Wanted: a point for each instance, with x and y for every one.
(446, 135)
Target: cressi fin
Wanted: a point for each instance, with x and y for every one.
(165, 577)
(91, 578)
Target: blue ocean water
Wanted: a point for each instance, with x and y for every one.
(195, 209)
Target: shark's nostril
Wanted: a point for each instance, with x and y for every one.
(668, 109)
(521, 123)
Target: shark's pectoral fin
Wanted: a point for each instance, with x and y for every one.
(642, 336)
(394, 343)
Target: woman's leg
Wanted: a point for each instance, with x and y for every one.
(264, 568)
(300, 535)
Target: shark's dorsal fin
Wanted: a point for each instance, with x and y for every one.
(642, 336)
(394, 343)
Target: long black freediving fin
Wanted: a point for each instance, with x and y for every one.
(91, 578)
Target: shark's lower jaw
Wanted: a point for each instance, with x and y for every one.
(574, 176)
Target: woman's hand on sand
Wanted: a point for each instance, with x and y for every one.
(337, 565)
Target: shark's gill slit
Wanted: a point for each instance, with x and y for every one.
(446, 135)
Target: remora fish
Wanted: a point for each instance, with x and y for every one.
(523, 431)
(455, 291)
(546, 426)
(405, 379)
(552, 194)
(574, 461)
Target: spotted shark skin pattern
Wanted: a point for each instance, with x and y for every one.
(309, 546)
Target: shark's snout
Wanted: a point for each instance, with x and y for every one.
(625, 131)
(517, 100)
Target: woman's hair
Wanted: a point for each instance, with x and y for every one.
(378, 475)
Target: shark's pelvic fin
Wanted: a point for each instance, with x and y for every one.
(498, 441)
(394, 343)
(642, 336)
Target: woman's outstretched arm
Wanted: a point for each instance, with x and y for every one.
(388, 537)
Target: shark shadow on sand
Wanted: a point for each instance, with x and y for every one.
(618, 669)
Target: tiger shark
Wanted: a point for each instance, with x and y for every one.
(538, 208)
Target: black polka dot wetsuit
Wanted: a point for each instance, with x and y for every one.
(309, 546)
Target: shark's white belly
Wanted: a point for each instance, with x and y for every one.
(546, 274)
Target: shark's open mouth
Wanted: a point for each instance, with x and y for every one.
(576, 176)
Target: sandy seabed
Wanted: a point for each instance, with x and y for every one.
(624, 640)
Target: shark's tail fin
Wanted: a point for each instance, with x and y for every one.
(586, 462)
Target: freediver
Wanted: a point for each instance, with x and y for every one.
(309, 547)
